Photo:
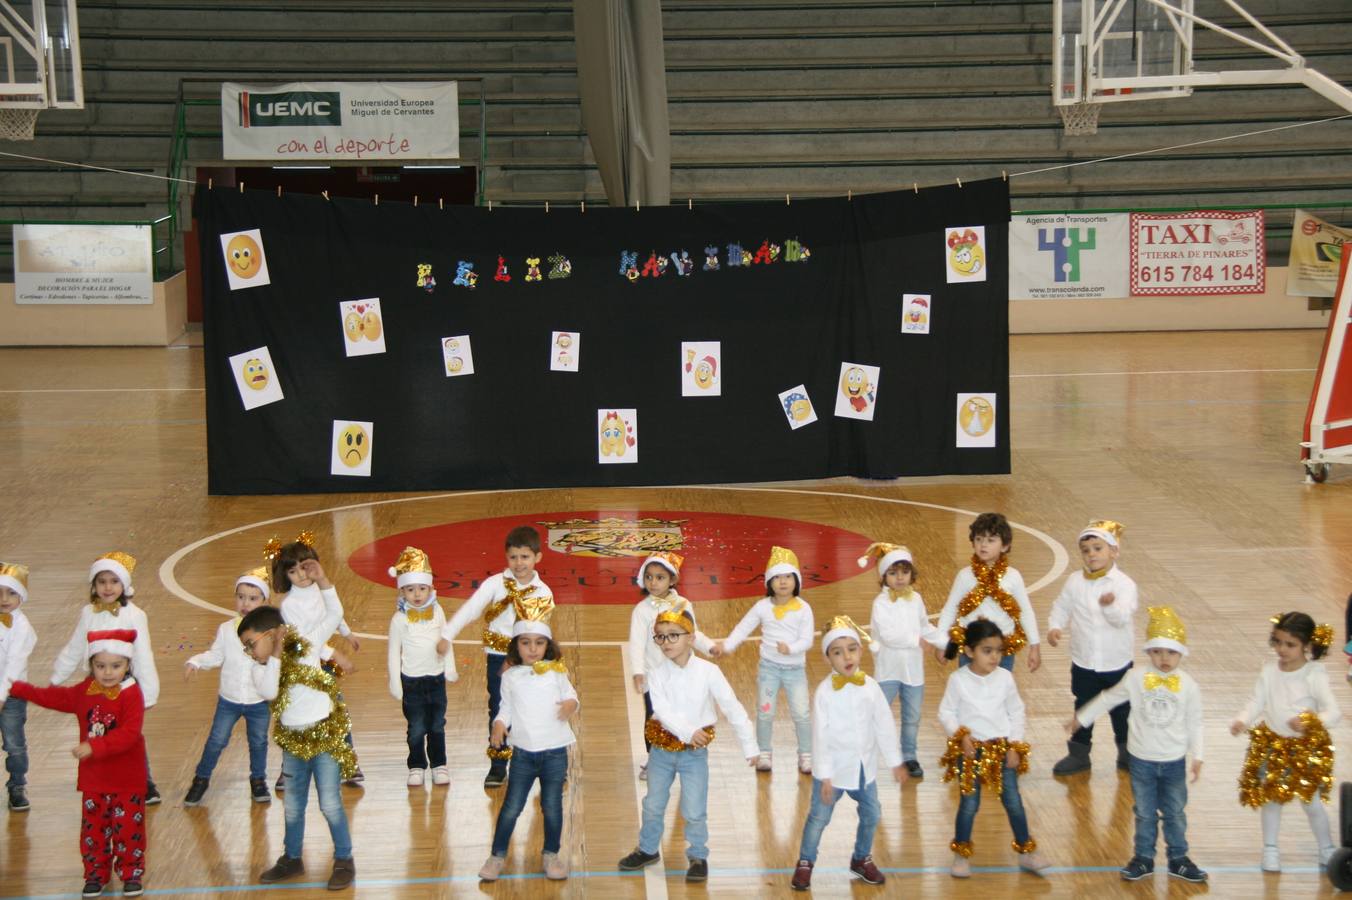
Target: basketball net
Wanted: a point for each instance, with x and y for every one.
(1080, 118)
(18, 122)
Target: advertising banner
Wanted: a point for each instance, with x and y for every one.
(1316, 251)
(82, 264)
(1068, 255)
(1196, 253)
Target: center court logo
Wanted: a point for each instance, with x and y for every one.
(1065, 245)
(290, 108)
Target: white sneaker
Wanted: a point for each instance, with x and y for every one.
(643, 772)
(1272, 860)
(805, 763)
(1032, 863)
(763, 762)
(415, 777)
(961, 868)
(493, 868)
(555, 868)
(441, 775)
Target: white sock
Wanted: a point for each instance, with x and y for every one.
(1319, 823)
(1272, 821)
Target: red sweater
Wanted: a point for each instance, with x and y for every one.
(112, 728)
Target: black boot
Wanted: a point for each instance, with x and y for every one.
(1075, 761)
(1123, 757)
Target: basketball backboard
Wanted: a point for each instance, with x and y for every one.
(40, 55)
(1103, 48)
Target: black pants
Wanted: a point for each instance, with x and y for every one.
(1086, 684)
(647, 714)
(425, 712)
(493, 662)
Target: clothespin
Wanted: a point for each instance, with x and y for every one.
(441, 203)
(279, 190)
(1003, 175)
(377, 199)
(546, 206)
(849, 195)
(210, 183)
(915, 186)
(415, 201)
(637, 206)
(241, 187)
(584, 205)
(786, 199)
(490, 205)
(959, 182)
(690, 203)
(324, 194)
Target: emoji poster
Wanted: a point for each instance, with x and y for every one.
(351, 448)
(701, 369)
(245, 264)
(457, 355)
(965, 252)
(255, 377)
(797, 407)
(565, 349)
(915, 313)
(363, 329)
(617, 436)
(976, 420)
(857, 391)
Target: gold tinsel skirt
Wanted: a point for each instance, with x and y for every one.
(1278, 769)
(987, 769)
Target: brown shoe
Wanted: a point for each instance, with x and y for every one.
(344, 873)
(286, 867)
(866, 871)
(802, 876)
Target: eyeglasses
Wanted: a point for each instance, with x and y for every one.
(668, 638)
(249, 647)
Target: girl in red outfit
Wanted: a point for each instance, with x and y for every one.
(112, 754)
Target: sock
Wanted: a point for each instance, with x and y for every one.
(1319, 823)
(1272, 820)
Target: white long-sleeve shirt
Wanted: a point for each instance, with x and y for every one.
(852, 728)
(683, 699)
(1012, 582)
(16, 645)
(530, 708)
(1280, 696)
(988, 706)
(898, 626)
(315, 615)
(227, 653)
(1102, 638)
(491, 591)
(795, 630)
(1164, 725)
(644, 654)
(75, 655)
(413, 649)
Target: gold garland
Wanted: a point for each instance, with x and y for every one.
(962, 848)
(502, 753)
(655, 734)
(988, 585)
(988, 766)
(498, 643)
(326, 736)
(1278, 769)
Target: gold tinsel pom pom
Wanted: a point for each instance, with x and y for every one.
(987, 768)
(272, 549)
(1027, 846)
(499, 753)
(962, 848)
(1278, 769)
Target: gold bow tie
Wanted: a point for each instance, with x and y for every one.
(111, 606)
(783, 609)
(904, 594)
(667, 602)
(1095, 576)
(7, 620)
(549, 665)
(839, 681)
(95, 689)
(420, 615)
(1168, 682)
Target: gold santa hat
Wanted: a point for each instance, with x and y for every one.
(412, 567)
(15, 577)
(667, 560)
(783, 561)
(258, 577)
(682, 615)
(886, 555)
(1107, 529)
(1165, 631)
(532, 614)
(844, 626)
(120, 564)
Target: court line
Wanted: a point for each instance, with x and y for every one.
(1158, 372)
(654, 879)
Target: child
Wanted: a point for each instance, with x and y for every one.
(659, 574)
(17, 640)
(1165, 724)
(418, 673)
(109, 608)
(984, 718)
(851, 728)
(238, 697)
(786, 634)
(1290, 754)
(311, 722)
(683, 690)
(496, 601)
(109, 709)
(1098, 604)
(537, 701)
(990, 588)
(898, 624)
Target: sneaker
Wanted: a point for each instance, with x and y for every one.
(1139, 867)
(805, 763)
(492, 868)
(1032, 863)
(132, 889)
(285, 867)
(152, 795)
(555, 868)
(356, 779)
(18, 798)
(92, 889)
(344, 873)
(960, 868)
(763, 762)
(497, 774)
(1272, 859)
(643, 772)
(441, 775)
(866, 871)
(415, 777)
(196, 791)
(913, 769)
(1186, 869)
(638, 859)
(280, 786)
(802, 876)
(698, 871)
(258, 790)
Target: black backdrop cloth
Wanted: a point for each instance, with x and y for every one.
(515, 424)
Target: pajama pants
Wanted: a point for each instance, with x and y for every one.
(114, 826)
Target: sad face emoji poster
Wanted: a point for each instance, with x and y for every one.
(245, 264)
(351, 448)
(255, 377)
(363, 329)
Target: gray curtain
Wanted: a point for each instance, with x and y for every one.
(622, 83)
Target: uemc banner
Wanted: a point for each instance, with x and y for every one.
(1316, 252)
(1068, 255)
(1197, 253)
(325, 120)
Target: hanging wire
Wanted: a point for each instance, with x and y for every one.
(62, 162)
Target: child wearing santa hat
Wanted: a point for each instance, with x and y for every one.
(17, 640)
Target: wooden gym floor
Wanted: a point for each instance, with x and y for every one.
(1190, 439)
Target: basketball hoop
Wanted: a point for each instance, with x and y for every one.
(1080, 118)
(18, 122)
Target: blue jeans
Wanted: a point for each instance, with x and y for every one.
(969, 804)
(793, 679)
(324, 768)
(425, 712)
(663, 767)
(1160, 787)
(912, 699)
(493, 663)
(550, 766)
(255, 717)
(819, 816)
(1006, 661)
(12, 716)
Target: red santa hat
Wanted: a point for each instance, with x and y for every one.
(116, 641)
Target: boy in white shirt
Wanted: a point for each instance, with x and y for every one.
(17, 640)
(852, 728)
(1097, 604)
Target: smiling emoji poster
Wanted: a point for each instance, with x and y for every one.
(457, 355)
(363, 329)
(701, 369)
(965, 251)
(245, 263)
(617, 436)
(351, 448)
(858, 391)
(255, 377)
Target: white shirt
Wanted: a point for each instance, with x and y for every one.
(227, 652)
(491, 591)
(315, 615)
(1163, 725)
(1280, 696)
(16, 644)
(130, 617)
(898, 626)
(795, 629)
(644, 654)
(530, 708)
(413, 649)
(683, 699)
(1012, 583)
(852, 728)
(988, 706)
(1102, 638)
